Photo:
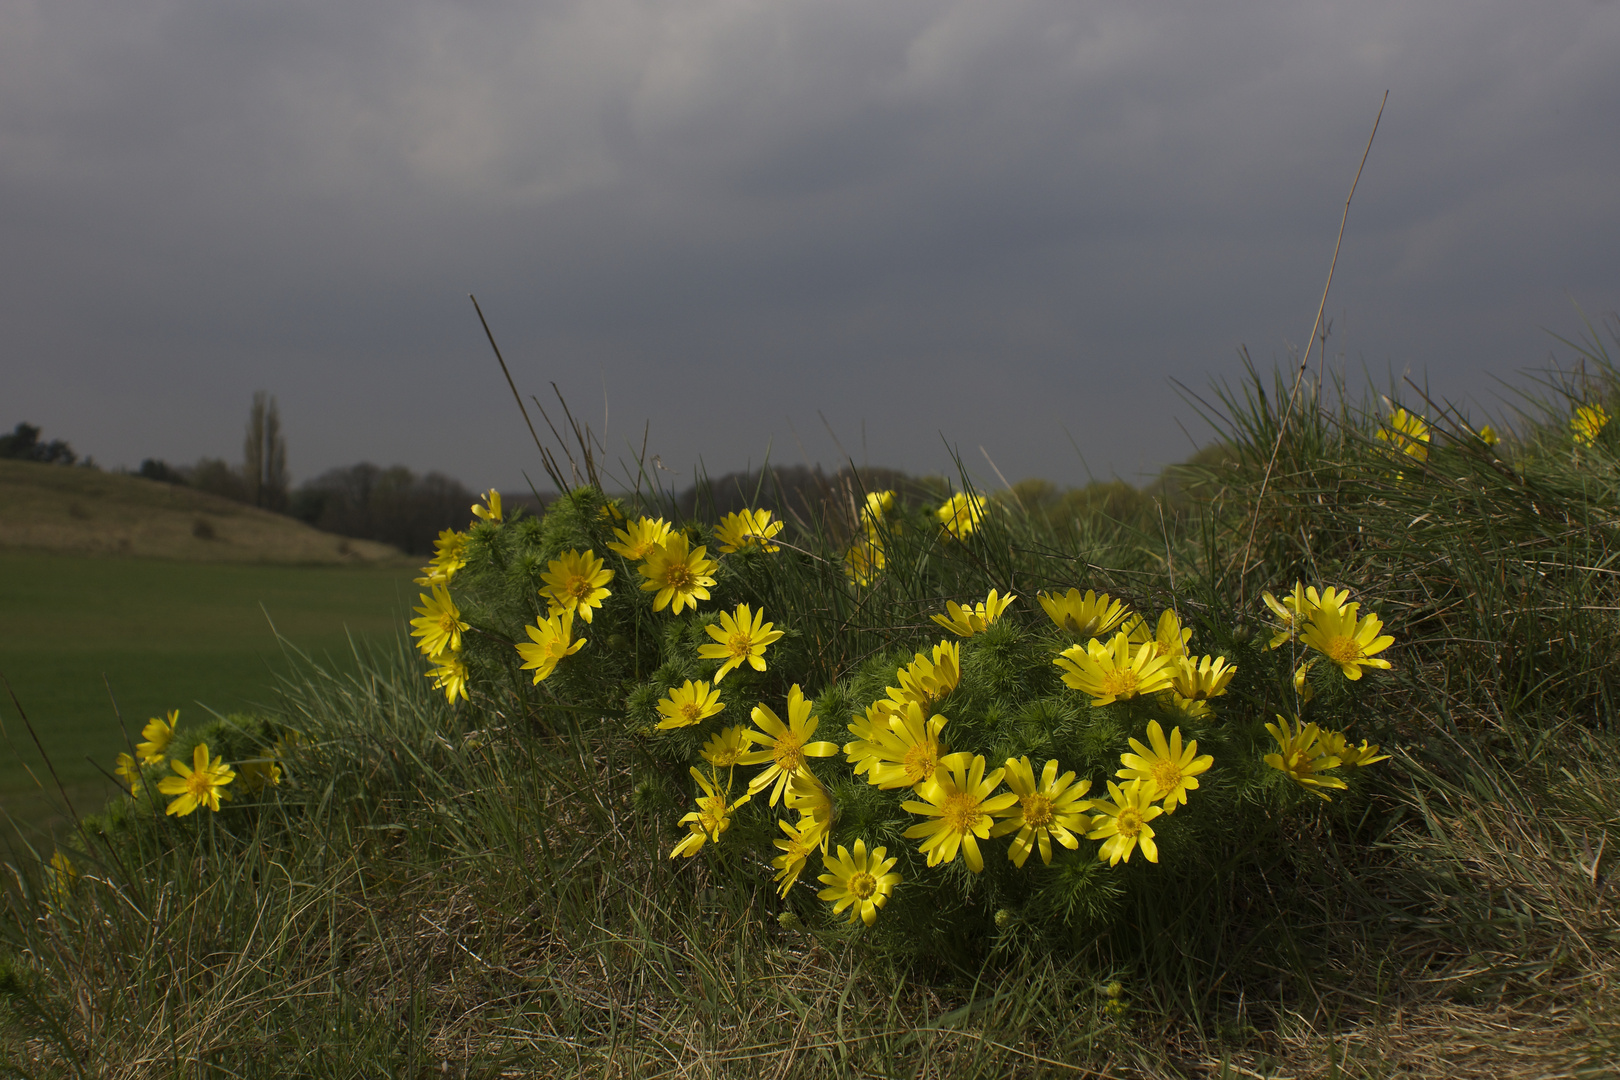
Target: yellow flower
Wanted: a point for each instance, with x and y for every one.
(61, 877)
(1168, 640)
(1488, 435)
(749, 529)
(1350, 643)
(877, 507)
(864, 750)
(1304, 757)
(801, 840)
(785, 746)
(1166, 771)
(1407, 433)
(129, 772)
(961, 514)
(490, 510)
(1587, 422)
(691, 703)
(861, 882)
(908, 753)
(1335, 744)
(1111, 673)
(157, 734)
(966, 621)
(450, 555)
(450, 675)
(807, 797)
(440, 626)
(1298, 607)
(1200, 680)
(450, 552)
(199, 785)
(742, 637)
(1190, 707)
(1085, 616)
(960, 802)
(641, 538)
(726, 747)
(864, 560)
(927, 679)
(553, 639)
(1302, 685)
(576, 583)
(1053, 809)
(712, 816)
(678, 573)
(1123, 826)
(259, 773)
(1292, 612)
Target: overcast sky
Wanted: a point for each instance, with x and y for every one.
(996, 224)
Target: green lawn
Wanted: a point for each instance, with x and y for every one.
(162, 635)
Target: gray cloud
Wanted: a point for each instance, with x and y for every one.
(963, 223)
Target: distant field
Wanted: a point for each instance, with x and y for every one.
(165, 634)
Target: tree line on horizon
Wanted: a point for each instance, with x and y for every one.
(398, 506)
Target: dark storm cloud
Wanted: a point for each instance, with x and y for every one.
(995, 222)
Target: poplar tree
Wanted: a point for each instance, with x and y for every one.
(264, 455)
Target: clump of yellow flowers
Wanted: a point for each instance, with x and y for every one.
(202, 782)
(1081, 728)
(961, 802)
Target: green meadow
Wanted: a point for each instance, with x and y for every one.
(87, 640)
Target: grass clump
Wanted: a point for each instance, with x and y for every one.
(472, 871)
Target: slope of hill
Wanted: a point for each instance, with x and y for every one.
(85, 512)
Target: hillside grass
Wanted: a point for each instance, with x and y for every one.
(80, 511)
(485, 889)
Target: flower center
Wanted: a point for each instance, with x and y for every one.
(580, 588)
(1121, 682)
(960, 812)
(920, 761)
(690, 712)
(1342, 649)
(862, 885)
(1130, 822)
(678, 576)
(788, 752)
(1037, 810)
(199, 784)
(1166, 774)
(726, 756)
(740, 644)
(1084, 629)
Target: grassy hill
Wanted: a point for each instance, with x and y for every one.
(86, 512)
